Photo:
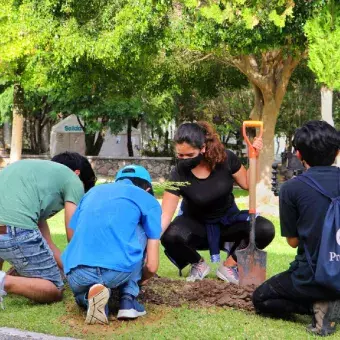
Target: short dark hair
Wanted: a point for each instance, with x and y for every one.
(75, 161)
(318, 143)
(139, 182)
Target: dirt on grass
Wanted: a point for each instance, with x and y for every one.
(160, 295)
(74, 321)
(205, 293)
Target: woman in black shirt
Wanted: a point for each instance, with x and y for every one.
(209, 217)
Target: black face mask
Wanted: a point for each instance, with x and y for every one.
(189, 163)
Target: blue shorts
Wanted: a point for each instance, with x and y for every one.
(28, 252)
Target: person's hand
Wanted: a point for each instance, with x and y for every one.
(258, 145)
(144, 282)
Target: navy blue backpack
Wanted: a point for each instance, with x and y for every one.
(327, 271)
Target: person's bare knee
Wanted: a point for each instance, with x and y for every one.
(53, 294)
(49, 293)
(38, 290)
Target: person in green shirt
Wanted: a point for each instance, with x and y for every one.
(31, 191)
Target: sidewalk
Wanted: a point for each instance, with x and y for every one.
(13, 334)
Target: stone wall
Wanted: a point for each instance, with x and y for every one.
(159, 167)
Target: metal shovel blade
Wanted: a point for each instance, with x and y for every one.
(251, 266)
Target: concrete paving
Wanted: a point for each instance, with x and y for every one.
(14, 334)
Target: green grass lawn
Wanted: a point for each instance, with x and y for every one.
(65, 319)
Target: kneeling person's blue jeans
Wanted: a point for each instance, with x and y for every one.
(82, 277)
(28, 252)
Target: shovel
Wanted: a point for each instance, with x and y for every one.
(251, 261)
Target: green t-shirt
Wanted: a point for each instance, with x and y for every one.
(31, 190)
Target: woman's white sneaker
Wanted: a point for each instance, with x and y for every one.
(228, 274)
(198, 271)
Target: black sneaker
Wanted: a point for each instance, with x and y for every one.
(325, 317)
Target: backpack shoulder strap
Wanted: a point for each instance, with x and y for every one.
(310, 181)
(308, 257)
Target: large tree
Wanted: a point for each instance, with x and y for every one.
(25, 32)
(102, 60)
(89, 58)
(295, 109)
(323, 33)
(262, 39)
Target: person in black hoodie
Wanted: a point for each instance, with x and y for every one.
(302, 215)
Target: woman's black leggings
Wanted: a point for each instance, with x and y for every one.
(186, 235)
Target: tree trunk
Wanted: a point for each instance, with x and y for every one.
(2, 141)
(269, 75)
(45, 137)
(327, 105)
(18, 123)
(266, 159)
(31, 132)
(166, 142)
(327, 110)
(256, 112)
(93, 145)
(7, 134)
(129, 141)
(37, 131)
(289, 142)
(2, 137)
(27, 132)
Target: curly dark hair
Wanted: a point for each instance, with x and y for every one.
(198, 134)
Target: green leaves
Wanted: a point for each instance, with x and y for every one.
(250, 19)
(323, 34)
(280, 19)
(243, 27)
(6, 102)
(92, 58)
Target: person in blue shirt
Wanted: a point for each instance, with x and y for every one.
(113, 226)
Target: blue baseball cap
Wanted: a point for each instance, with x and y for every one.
(134, 171)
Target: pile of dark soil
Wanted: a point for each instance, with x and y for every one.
(205, 293)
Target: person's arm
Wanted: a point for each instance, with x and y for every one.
(289, 215)
(45, 231)
(241, 177)
(151, 222)
(169, 206)
(73, 193)
(152, 260)
(70, 208)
